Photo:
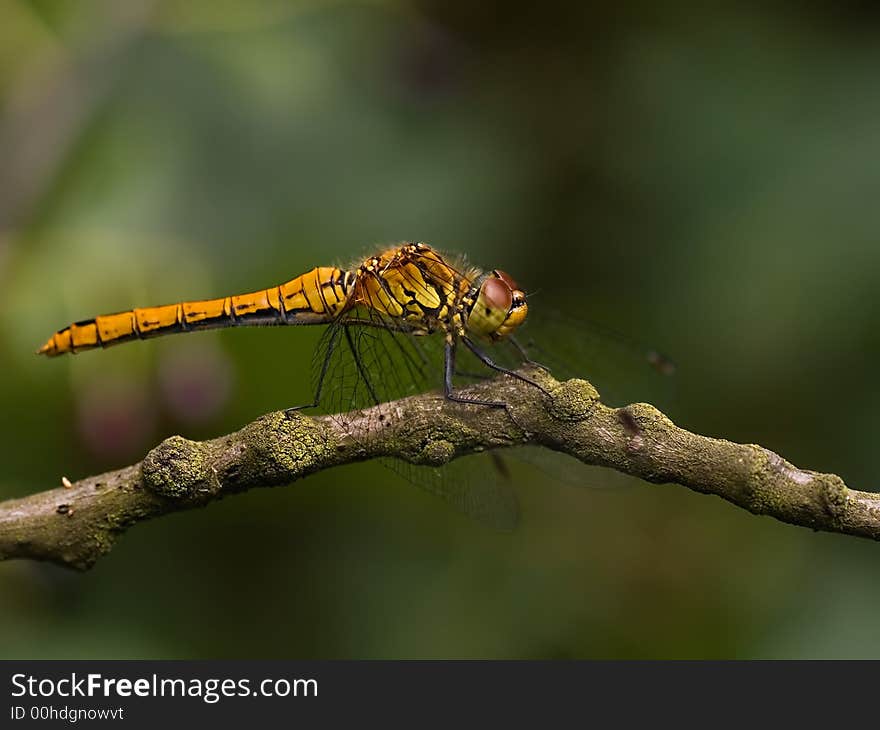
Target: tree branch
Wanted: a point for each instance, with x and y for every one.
(75, 526)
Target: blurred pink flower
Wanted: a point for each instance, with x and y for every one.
(115, 416)
(195, 381)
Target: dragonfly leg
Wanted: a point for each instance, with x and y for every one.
(450, 394)
(527, 360)
(448, 389)
(331, 346)
(487, 361)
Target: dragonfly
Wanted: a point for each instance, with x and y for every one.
(410, 289)
(398, 323)
(392, 303)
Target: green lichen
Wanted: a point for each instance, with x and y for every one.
(175, 468)
(773, 481)
(282, 446)
(437, 452)
(647, 416)
(573, 400)
(836, 496)
(763, 495)
(102, 542)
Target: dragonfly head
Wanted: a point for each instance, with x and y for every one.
(500, 306)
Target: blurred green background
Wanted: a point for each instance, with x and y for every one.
(705, 179)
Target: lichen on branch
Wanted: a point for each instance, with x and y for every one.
(74, 526)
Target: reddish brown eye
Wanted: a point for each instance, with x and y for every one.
(497, 294)
(507, 279)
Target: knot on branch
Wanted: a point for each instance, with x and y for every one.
(777, 484)
(437, 452)
(573, 400)
(836, 496)
(275, 449)
(177, 468)
(281, 447)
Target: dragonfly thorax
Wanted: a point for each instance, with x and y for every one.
(499, 306)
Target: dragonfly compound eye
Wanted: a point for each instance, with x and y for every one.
(497, 296)
(507, 279)
(500, 307)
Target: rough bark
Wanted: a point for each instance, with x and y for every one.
(74, 526)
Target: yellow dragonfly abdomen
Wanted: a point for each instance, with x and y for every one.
(410, 288)
(313, 298)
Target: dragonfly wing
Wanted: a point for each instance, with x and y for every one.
(562, 468)
(623, 369)
(367, 359)
(473, 486)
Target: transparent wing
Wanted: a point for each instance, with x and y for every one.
(623, 368)
(366, 359)
(471, 484)
(562, 468)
